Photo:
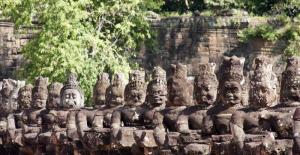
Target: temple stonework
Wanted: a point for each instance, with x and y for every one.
(163, 116)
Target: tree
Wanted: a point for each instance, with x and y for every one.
(82, 36)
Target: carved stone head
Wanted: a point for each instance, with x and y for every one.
(115, 92)
(290, 84)
(25, 96)
(102, 84)
(135, 90)
(179, 86)
(53, 100)
(157, 88)
(231, 92)
(9, 95)
(8, 87)
(40, 93)
(206, 85)
(71, 94)
(263, 83)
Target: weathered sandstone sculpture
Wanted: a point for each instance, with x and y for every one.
(50, 120)
(263, 95)
(99, 93)
(130, 116)
(193, 121)
(32, 117)
(155, 102)
(98, 137)
(180, 96)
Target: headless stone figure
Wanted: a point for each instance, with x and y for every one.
(98, 138)
(262, 96)
(130, 116)
(85, 116)
(180, 95)
(48, 138)
(193, 122)
(32, 121)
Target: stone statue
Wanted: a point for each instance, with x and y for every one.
(24, 104)
(289, 93)
(72, 99)
(179, 97)
(9, 95)
(155, 102)
(193, 121)
(49, 119)
(296, 131)
(31, 118)
(130, 116)
(262, 96)
(102, 84)
(85, 117)
(230, 93)
(97, 137)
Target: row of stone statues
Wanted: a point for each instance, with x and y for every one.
(174, 116)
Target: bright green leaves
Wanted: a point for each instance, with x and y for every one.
(82, 36)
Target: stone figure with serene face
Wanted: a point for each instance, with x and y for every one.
(131, 114)
(32, 117)
(193, 121)
(98, 136)
(262, 96)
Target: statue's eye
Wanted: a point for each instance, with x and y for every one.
(74, 95)
(67, 96)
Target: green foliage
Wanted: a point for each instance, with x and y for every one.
(281, 28)
(153, 5)
(82, 36)
(266, 32)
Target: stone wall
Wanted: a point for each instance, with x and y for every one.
(191, 40)
(11, 42)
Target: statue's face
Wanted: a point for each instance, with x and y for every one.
(24, 99)
(157, 94)
(39, 98)
(136, 97)
(53, 100)
(205, 92)
(293, 90)
(232, 94)
(263, 95)
(71, 98)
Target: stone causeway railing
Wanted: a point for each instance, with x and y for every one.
(221, 115)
